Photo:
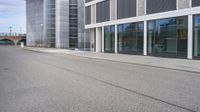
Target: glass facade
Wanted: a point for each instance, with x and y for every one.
(49, 24)
(130, 38)
(196, 35)
(73, 24)
(168, 37)
(109, 39)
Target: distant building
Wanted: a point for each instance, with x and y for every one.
(56, 23)
(166, 28)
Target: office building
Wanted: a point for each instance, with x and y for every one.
(164, 28)
(56, 23)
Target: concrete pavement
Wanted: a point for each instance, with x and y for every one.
(43, 82)
(169, 63)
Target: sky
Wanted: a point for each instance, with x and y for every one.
(12, 13)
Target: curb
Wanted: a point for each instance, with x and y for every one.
(132, 63)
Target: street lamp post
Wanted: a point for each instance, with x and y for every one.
(41, 36)
(10, 30)
(84, 42)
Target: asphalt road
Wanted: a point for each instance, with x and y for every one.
(42, 82)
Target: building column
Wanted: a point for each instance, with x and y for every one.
(116, 40)
(15, 42)
(102, 39)
(98, 40)
(145, 39)
(190, 37)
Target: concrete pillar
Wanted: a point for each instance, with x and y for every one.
(140, 7)
(113, 6)
(116, 40)
(15, 42)
(92, 39)
(102, 39)
(190, 37)
(145, 39)
(93, 14)
(98, 39)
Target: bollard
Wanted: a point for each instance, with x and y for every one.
(22, 44)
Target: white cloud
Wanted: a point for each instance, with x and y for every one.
(12, 13)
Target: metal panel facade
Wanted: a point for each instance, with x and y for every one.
(156, 6)
(34, 11)
(62, 24)
(126, 8)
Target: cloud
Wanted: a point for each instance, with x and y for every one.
(12, 13)
(6, 4)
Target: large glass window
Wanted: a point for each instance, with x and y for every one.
(197, 36)
(168, 37)
(103, 11)
(126, 8)
(86, 1)
(109, 38)
(157, 6)
(195, 3)
(130, 38)
(88, 15)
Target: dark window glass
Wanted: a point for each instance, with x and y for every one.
(195, 3)
(156, 6)
(86, 1)
(130, 38)
(73, 23)
(126, 8)
(88, 15)
(168, 37)
(109, 38)
(196, 34)
(103, 11)
(73, 42)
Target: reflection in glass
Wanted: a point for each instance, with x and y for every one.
(130, 38)
(109, 38)
(168, 37)
(197, 36)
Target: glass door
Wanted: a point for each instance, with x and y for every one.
(109, 39)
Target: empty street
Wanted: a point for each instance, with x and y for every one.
(43, 82)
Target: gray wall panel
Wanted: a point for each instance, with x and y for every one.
(182, 4)
(140, 7)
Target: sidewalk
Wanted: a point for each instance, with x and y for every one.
(168, 63)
